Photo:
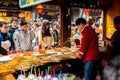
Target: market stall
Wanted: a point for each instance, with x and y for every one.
(51, 62)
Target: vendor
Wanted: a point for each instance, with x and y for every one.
(5, 38)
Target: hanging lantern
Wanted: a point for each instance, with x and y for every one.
(39, 9)
(86, 11)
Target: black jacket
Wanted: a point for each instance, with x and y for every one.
(4, 37)
(115, 40)
(11, 31)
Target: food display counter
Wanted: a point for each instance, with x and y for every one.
(34, 62)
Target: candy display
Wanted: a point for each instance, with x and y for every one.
(31, 77)
(21, 77)
(49, 75)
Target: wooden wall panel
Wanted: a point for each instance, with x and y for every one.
(111, 13)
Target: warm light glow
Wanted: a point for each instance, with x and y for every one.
(86, 11)
(39, 8)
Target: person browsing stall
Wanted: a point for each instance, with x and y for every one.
(6, 41)
(89, 51)
(12, 28)
(47, 34)
(55, 34)
(22, 37)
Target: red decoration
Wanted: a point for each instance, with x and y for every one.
(86, 11)
(39, 8)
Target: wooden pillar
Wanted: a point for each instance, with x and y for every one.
(104, 22)
(110, 14)
(65, 31)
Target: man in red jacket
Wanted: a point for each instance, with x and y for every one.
(89, 51)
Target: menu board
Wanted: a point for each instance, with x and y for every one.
(27, 3)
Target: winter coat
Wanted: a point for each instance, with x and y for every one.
(23, 40)
(89, 44)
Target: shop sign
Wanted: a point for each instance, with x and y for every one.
(9, 5)
(51, 7)
(27, 3)
(8, 14)
(3, 14)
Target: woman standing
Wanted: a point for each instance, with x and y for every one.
(55, 34)
(47, 34)
(44, 36)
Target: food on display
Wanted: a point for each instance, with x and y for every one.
(25, 65)
(24, 61)
(35, 61)
(42, 51)
(64, 49)
(5, 69)
(14, 62)
(27, 53)
(67, 56)
(45, 60)
(49, 51)
(55, 59)
(7, 77)
(57, 49)
(28, 59)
